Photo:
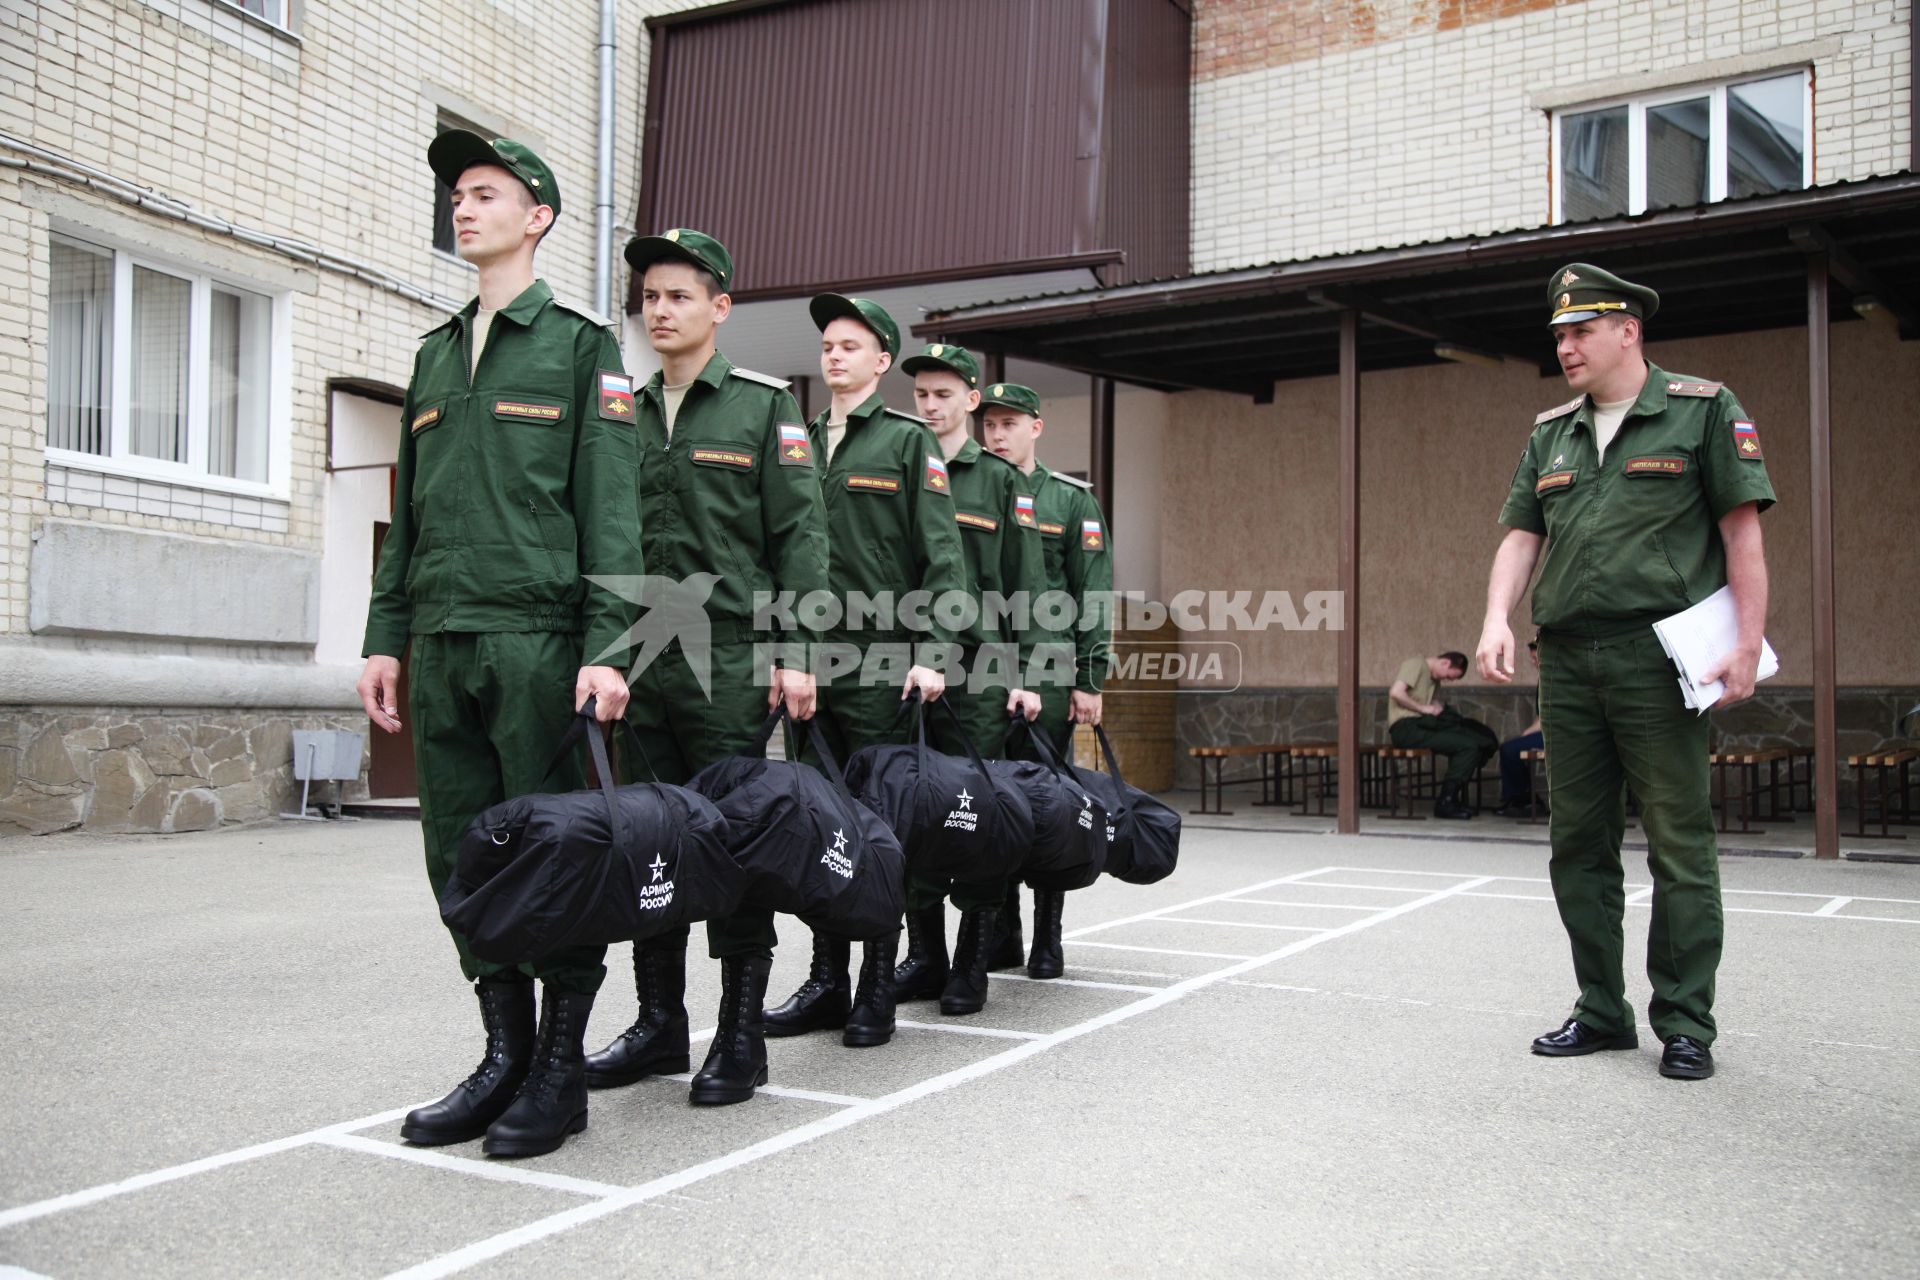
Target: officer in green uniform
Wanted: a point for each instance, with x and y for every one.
(890, 532)
(728, 489)
(514, 484)
(1073, 540)
(1000, 541)
(1637, 498)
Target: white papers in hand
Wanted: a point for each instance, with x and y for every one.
(1699, 637)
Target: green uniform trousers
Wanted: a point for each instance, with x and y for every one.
(683, 730)
(488, 708)
(1467, 744)
(1611, 712)
(983, 713)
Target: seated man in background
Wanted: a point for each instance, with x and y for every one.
(1516, 778)
(1417, 718)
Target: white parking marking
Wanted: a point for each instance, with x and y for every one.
(1241, 924)
(782, 1091)
(1330, 906)
(1160, 951)
(1832, 906)
(1079, 982)
(960, 1029)
(497, 1171)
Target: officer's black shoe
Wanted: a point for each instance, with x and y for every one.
(656, 1044)
(1008, 949)
(737, 1062)
(1046, 959)
(1576, 1038)
(966, 990)
(476, 1102)
(552, 1101)
(1686, 1059)
(1450, 804)
(1519, 808)
(923, 974)
(822, 1001)
(871, 1021)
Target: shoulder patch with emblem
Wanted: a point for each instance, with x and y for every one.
(764, 379)
(1023, 510)
(1561, 410)
(796, 447)
(937, 479)
(616, 396)
(1692, 387)
(1092, 538)
(1746, 441)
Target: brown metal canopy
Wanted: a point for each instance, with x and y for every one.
(1731, 267)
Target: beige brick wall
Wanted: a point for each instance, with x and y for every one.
(1327, 126)
(320, 137)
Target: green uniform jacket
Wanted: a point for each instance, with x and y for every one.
(1000, 543)
(735, 493)
(514, 483)
(1635, 538)
(1073, 541)
(890, 525)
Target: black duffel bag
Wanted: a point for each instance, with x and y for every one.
(613, 864)
(1143, 835)
(1069, 847)
(952, 818)
(806, 845)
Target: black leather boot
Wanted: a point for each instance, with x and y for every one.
(656, 1043)
(822, 1001)
(871, 1021)
(966, 990)
(1008, 950)
(1046, 959)
(506, 1008)
(552, 1101)
(1451, 803)
(737, 1061)
(923, 974)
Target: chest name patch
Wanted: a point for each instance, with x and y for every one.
(1555, 480)
(421, 421)
(985, 523)
(1051, 529)
(1656, 466)
(725, 458)
(520, 409)
(873, 484)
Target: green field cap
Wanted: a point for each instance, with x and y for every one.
(682, 244)
(828, 307)
(456, 151)
(1011, 395)
(944, 355)
(1582, 292)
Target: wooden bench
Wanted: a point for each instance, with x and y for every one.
(1745, 766)
(1535, 759)
(1266, 752)
(1880, 765)
(1316, 767)
(1403, 768)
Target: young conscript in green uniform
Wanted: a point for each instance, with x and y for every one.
(728, 488)
(891, 533)
(514, 485)
(1000, 542)
(1073, 540)
(1637, 498)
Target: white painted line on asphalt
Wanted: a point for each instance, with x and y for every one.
(1082, 982)
(1513, 897)
(140, 1182)
(1832, 906)
(1330, 906)
(1194, 902)
(496, 1171)
(1243, 924)
(1390, 871)
(1275, 986)
(1642, 896)
(782, 1091)
(11, 1272)
(1131, 973)
(1746, 893)
(507, 1241)
(1378, 888)
(1161, 951)
(1874, 919)
(959, 1029)
(1638, 897)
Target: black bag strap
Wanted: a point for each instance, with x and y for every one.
(585, 726)
(801, 733)
(1048, 756)
(1106, 753)
(966, 740)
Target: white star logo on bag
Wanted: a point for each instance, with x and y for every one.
(966, 801)
(657, 866)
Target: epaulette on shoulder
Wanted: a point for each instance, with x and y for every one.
(1692, 387)
(598, 320)
(988, 453)
(1072, 480)
(895, 413)
(1561, 410)
(764, 379)
(447, 323)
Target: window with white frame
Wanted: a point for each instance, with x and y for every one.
(158, 371)
(1683, 147)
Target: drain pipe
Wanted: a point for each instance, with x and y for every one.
(603, 190)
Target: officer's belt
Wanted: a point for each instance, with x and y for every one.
(1606, 631)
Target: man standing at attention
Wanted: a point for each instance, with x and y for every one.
(1073, 541)
(1000, 539)
(1637, 498)
(727, 488)
(890, 533)
(514, 485)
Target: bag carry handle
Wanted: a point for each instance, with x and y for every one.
(585, 726)
(1048, 755)
(1106, 752)
(803, 732)
(920, 705)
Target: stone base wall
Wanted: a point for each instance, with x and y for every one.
(1868, 720)
(152, 770)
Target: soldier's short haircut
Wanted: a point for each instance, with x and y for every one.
(708, 281)
(1456, 660)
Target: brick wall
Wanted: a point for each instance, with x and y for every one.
(1327, 126)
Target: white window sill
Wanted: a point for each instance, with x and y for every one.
(265, 24)
(162, 473)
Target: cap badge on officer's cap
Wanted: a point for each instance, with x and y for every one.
(1568, 277)
(1566, 298)
(674, 235)
(935, 349)
(998, 389)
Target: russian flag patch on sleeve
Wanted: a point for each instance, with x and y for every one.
(796, 449)
(1746, 440)
(616, 396)
(1091, 538)
(937, 474)
(1023, 510)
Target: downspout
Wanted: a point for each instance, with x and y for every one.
(603, 188)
